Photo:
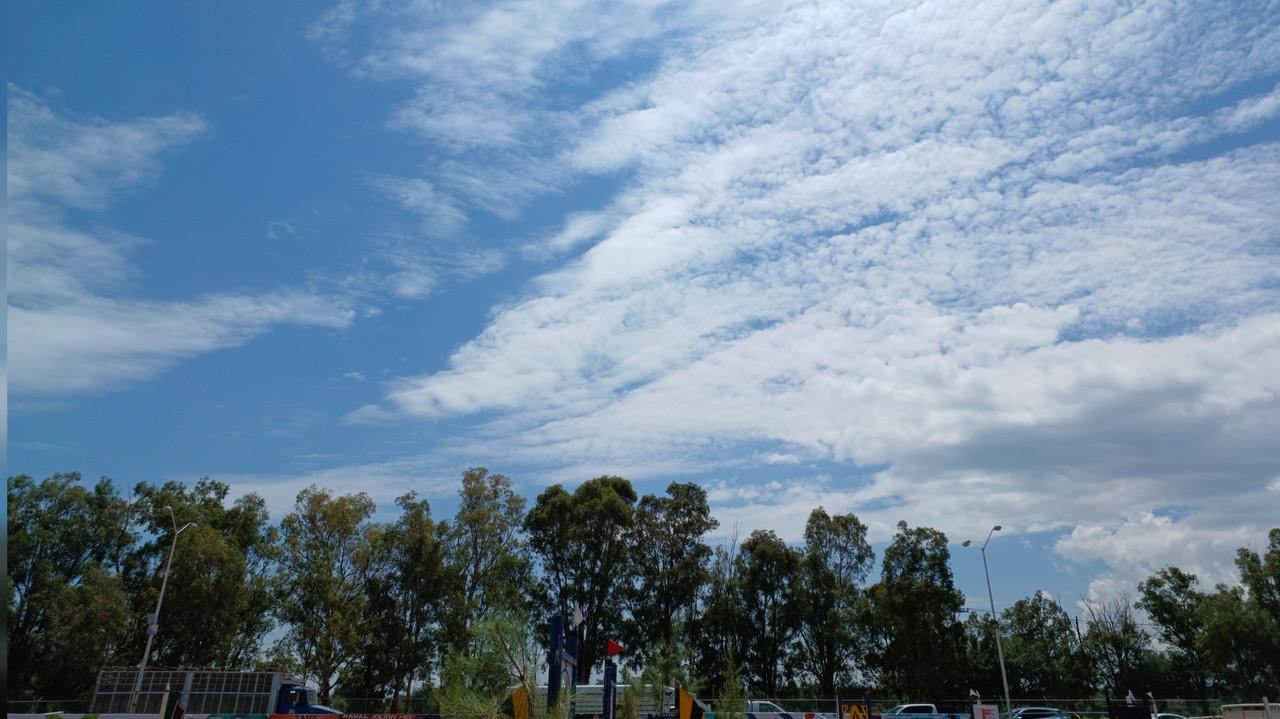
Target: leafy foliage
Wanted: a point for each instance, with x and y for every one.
(487, 561)
(415, 607)
(670, 566)
(833, 611)
(582, 540)
(915, 605)
(326, 544)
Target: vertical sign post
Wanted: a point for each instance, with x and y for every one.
(610, 686)
(555, 651)
(571, 665)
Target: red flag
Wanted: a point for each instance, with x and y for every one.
(611, 647)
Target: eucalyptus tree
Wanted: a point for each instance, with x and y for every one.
(833, 607)
(1044, 655)
(582, 542)
(768, 580)
(915, 604)
(1174, 603)
(319, 593)
(418, 584)
(486, 556)
(1116, 643)
(671, 567)
(66, 608)
(221, 576)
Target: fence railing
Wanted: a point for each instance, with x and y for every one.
(1083, 706)
(1086, 708)
(46, 706)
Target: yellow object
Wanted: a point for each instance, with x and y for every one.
(520, 703)
(687, 707)
(857, 711)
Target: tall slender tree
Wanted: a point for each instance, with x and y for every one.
(370, 670)
(1173, 601)
(220, 585)
(418, 584)
(833, 606)
(915, 606)
(768, 575)
(486, 554)
(671, 565)
(717, 631)
(1116, 644)
(1042, 651)
(582, 542)
(320, 593)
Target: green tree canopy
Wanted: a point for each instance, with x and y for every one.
(1172, 600)
(768, 576)
(1116, 644)
(670, 561)
(914, 606)
(582, 542)
(320, 595)
(833, 606)
(485, 553)
(1042, 651)
(62, 539)
(218, 601)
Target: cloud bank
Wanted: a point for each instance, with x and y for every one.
(1018, 257)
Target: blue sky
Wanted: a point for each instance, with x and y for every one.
(956, 263)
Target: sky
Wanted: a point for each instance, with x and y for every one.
(960, 264)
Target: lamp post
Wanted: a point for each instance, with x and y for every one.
(1004, 678)
(153, 621)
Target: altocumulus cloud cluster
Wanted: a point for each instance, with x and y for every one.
(1017, 256)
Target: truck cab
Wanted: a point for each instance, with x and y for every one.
(298, 699)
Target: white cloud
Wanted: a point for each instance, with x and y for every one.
(82, 163)
(73, 326)
(369, 414)
(382, 481)
(100, 343)
(440, 216)
(1008, 250)
(1145, 543)
(497, 86)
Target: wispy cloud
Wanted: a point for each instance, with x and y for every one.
(74, 323)
(440, 215)
(382, 481)
(498, 87)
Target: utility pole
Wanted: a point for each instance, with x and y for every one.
(153, 621)
(995, 618)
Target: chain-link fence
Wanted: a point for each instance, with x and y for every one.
(1084, 708)
(385, 705)
(46, 706)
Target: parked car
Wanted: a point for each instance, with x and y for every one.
(913, 709)
(1037, 713)
(763, 709)
(1167, 715)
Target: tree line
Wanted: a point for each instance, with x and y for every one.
(384, 609)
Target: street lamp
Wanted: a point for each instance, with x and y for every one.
(153, 621)
(1004, 678)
